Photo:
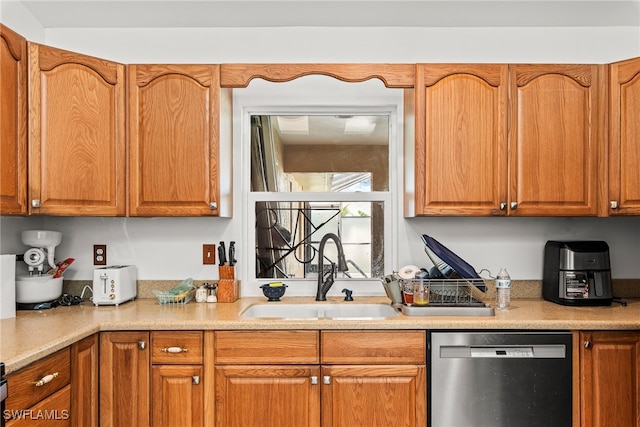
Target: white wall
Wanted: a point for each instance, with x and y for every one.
(256, 45)
(16, 16)
(170, 248)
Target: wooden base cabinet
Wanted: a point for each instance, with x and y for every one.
(327, 379)
(84, 382)
(373, 395)
(152, 379)
(40, 393)
(610, 378)
(178, 396)
(268, 396)
(124, 379)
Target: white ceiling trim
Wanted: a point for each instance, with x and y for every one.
(327, 13)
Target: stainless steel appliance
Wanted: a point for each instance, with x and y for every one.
(114, 285)
(4, 393)
(577, 273)
(499, 379)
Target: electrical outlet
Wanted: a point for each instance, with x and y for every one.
(208, 254)
(99, 254)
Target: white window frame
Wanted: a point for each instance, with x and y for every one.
(391, 199)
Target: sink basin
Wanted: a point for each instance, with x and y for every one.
(320, 311)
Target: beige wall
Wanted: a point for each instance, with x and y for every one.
(349, 158)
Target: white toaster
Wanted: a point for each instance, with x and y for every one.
(114, 285)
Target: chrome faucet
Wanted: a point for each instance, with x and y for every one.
(324, 284)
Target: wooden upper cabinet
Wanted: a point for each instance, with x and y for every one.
(461, 131)
(174, 140)
(13, 116)
(77, 134)
(624, 137)
(556, 140)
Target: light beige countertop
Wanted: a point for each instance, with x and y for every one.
(32, 335)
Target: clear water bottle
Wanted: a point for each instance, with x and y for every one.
(503, 290)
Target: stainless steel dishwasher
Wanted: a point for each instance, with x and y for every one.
(502, 378)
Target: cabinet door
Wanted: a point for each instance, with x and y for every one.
(52, 411)
(374, 395)
(610, 379)
(173, 125)
(124, 379)
(461, 139)
(556, 139)
(178, 396)
(13, 116)
(624, 138)
(84, 382)
(267, 396)
(77, 134)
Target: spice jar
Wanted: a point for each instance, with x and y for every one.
(212, 293)
(201, 293)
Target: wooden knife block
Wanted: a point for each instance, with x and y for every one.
(227, 285)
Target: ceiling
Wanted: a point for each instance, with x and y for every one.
(327, 13)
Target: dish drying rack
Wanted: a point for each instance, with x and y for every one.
(450, 292)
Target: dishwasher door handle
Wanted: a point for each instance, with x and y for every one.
(504, 352)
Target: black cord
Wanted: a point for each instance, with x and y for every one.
(619, 301)
(67, 299)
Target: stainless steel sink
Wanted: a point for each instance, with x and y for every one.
(344, 311)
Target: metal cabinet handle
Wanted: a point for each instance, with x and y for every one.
(503, 206)
(514, 205)
(314, 380)
(195, 380)
(613, 204)
(35, 203)
(46, 379)
(142, 345)
(587, 344)
(213, 206)
(326, 380)
(174, 350)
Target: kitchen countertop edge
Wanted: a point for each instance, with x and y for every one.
(20, 346)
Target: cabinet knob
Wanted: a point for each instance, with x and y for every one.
(46, 379)
(613, 204)
(195, 380)
(587, 344)
(174, 350)
(503, 206)
(514, 205)
(35, 203)
(326, 380)
(314, 380)
(142, 345)
(213, 206)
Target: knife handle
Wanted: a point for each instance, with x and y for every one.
(221, 254)
(232, 253)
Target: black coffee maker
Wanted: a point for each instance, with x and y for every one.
(577, 273)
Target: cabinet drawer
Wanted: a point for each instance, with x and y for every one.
(168, 347)
(381, 347)
(53, 411)
(38, 380)
(266, 347)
